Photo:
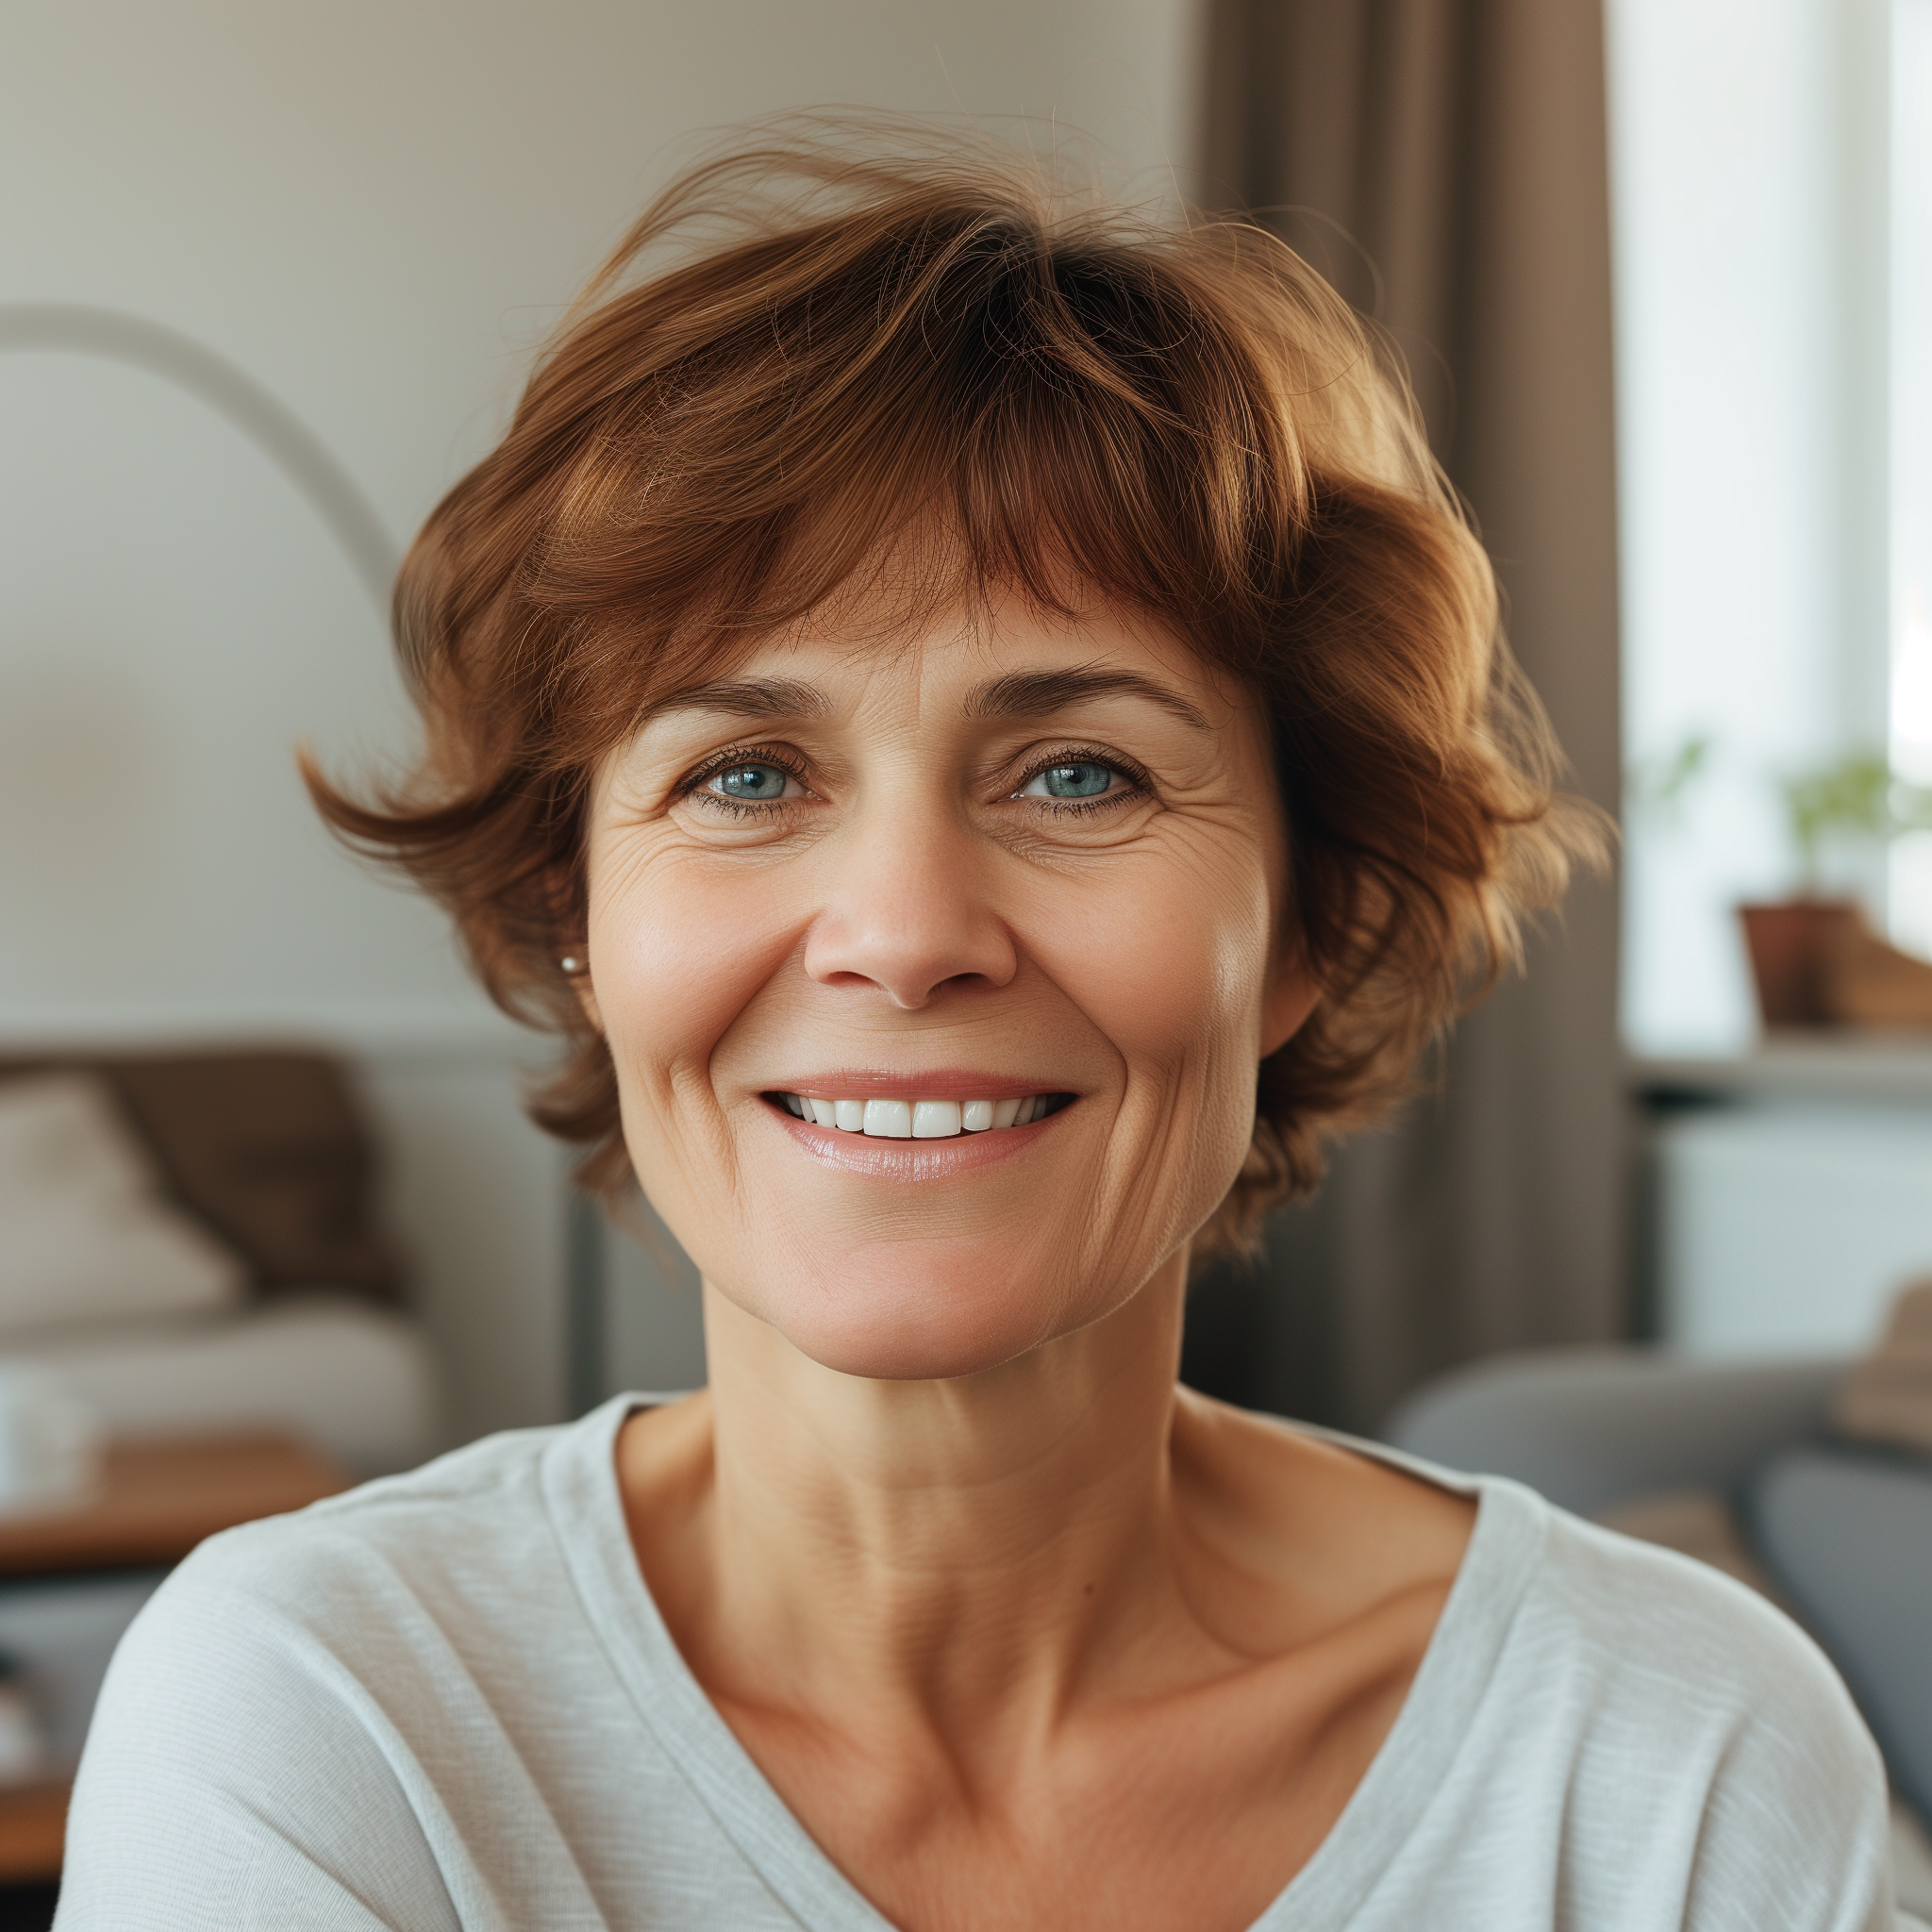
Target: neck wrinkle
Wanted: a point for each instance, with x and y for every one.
(946, 1548)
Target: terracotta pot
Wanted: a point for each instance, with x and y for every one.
(1790, 944)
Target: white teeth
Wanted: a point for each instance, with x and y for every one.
(916, 1120)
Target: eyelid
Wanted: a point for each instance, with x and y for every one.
(1137, 782)
(782, 756)
(1135, 773)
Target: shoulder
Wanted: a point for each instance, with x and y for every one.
(1623, 1626)
(353, 1604)
(1671, 1632)
(1328, 1532)
(279, 1715)
(481, 1510)
(1678, 1711)
(353, 1616)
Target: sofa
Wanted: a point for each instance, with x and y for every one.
(262, 1160)
(266, 1151)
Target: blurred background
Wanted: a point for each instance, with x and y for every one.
(372, 214)
(271, 277)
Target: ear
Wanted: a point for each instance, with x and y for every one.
(1291, 996)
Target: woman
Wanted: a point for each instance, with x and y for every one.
(981, 722)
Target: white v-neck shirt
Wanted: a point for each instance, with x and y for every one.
(447, 1700)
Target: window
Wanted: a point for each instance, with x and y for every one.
(1910, 413)
(1773, 499)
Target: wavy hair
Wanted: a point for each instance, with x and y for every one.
(809, 348)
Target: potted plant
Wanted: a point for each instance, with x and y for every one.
(1814, 958)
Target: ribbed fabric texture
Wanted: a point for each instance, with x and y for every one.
(447, 1700)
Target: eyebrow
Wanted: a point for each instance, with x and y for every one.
(751, 698)
(1038, 693)
(1019, 694)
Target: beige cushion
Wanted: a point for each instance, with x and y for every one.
(267, 1148)
(86, 1235)
(1888, 1395)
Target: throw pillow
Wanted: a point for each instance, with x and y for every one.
(86, 1235)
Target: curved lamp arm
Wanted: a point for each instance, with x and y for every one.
(261, 416)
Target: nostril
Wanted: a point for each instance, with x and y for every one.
(910, 943)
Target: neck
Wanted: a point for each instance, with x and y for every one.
(958, 1546)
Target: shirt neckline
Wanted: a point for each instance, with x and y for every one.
(586, 1507)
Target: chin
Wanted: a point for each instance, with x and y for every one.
(915, 1313)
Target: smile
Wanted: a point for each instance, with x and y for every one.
(884, 1119)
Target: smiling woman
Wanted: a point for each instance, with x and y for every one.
(977, 718)
(1025, 865)
(825, 389)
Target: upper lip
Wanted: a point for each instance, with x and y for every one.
(947, 1085)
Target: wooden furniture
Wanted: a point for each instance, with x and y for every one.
(33, 1820)
(160, 1496)
(157, 1498)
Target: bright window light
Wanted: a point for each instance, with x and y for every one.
(1912, 402)
(1749, 187)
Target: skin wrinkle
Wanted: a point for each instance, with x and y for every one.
(1166, 1110)
(1024, 1636)
(1039, 694)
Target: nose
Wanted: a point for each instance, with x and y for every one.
(908, 913)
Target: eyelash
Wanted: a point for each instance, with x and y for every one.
(788, 762)
(1138, 783)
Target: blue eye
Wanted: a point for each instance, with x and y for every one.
(1076, 778)
(753, 783)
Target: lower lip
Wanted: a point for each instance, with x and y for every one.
(892, 1159)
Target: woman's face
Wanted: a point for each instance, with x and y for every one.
(1016, 868)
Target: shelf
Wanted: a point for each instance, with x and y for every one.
(160, 1496)
(1889, 1068)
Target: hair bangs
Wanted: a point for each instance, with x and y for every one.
(853, 377)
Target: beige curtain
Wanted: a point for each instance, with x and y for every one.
(1443, 161)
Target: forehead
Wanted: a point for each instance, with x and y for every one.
(1003, 661)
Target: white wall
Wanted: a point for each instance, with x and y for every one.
(374, 208)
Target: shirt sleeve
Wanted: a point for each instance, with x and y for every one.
(1795, 1835)
(235, 1775)
(1691, 1750)
(1794, 1831)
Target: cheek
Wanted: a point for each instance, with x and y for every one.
(1169, 963)
(1173, 972)
(675, 955)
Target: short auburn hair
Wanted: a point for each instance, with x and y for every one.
(813, 346)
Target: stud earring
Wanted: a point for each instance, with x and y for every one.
(575, 964)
